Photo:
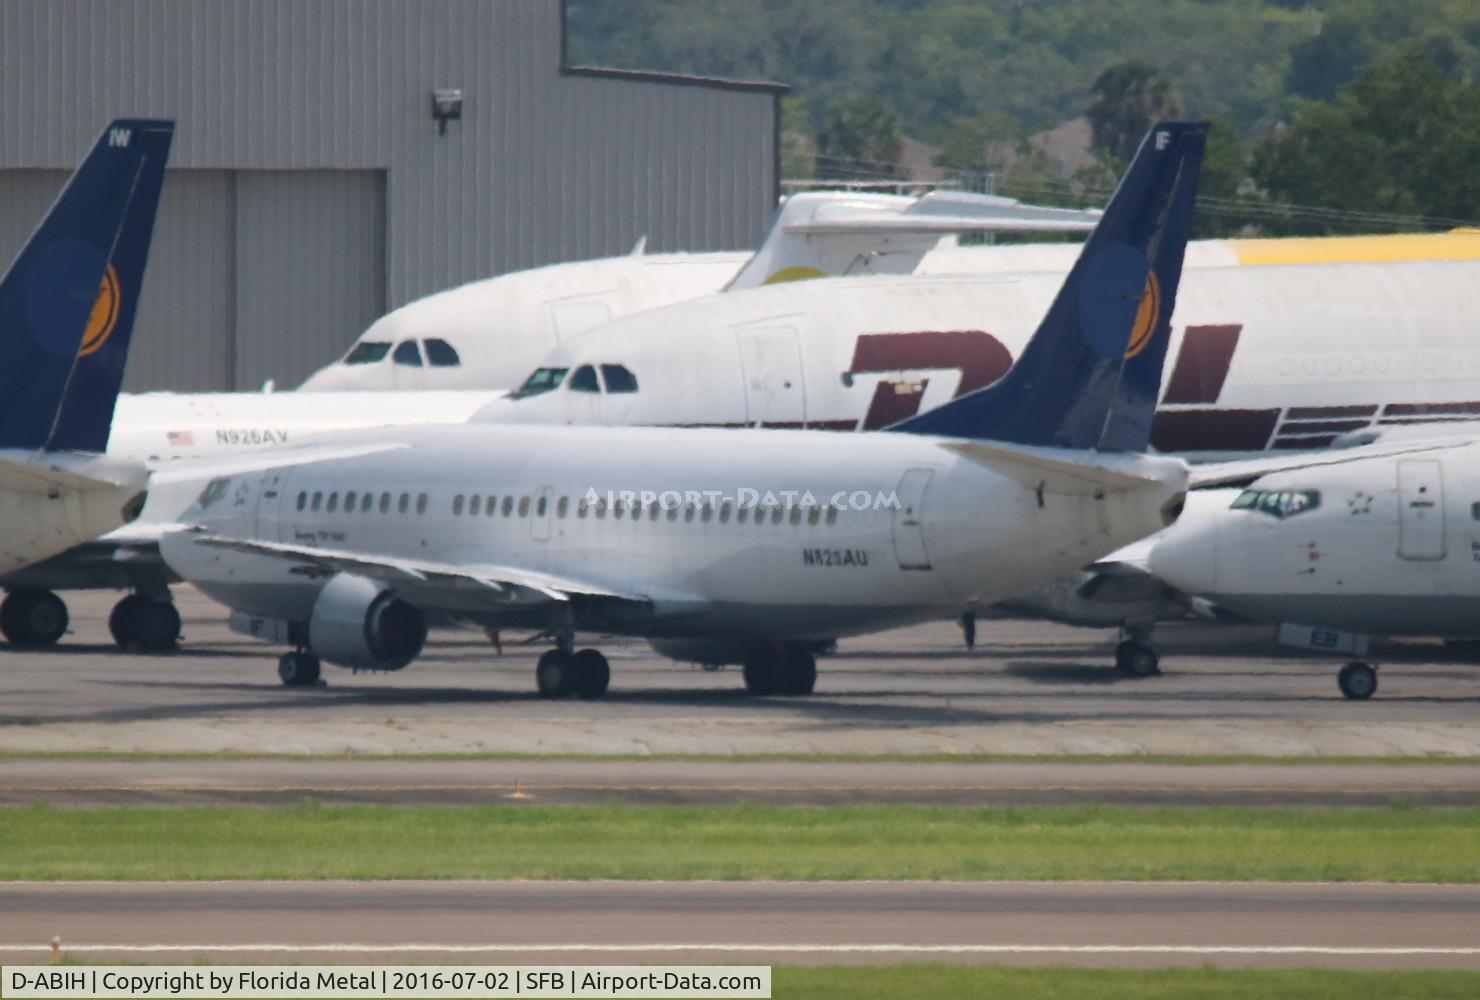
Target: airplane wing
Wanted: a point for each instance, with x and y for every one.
(430, 581)
(1241, 473)
(936, 225)
(202, 469)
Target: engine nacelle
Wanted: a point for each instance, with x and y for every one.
(361, 623)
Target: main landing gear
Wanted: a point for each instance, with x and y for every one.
(561, 673)
(33, 617)
(1136, 655)
(780, 668)
(1357, 680)
(144, 624)
(299, 668)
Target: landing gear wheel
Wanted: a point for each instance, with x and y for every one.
(763, 670)
(555, 674)
(1138, 659)
(157, 628)
(801, 672)
(298, 669)
(33, 618)
(1358, 681)
(591, 673)
(123, 620)
(149, 626)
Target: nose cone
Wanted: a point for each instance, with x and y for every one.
(1186, 556)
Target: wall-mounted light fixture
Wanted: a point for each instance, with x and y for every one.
(446, 107)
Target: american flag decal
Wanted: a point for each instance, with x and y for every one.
(179, 439)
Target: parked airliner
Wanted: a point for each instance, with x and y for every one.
(1383, 545)
(730, 544)
(61, 302)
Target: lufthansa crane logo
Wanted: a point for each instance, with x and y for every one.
(104, 315)
(1146, 317)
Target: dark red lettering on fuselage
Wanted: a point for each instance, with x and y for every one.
(977, 355)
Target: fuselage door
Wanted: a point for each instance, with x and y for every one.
(909, 520)
(269, 503)
(771, 365)
(1420, 509)
(539, 516)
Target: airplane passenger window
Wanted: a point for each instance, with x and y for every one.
(365, 502)
(440, 354)
(367, 352)
(1475, 511)
(407, 353)
(741, 515)
(673, 513)
(404, 503)
(653, 511)
(796, 515)
(600, 509)
(508, 506)
(708, 514)
(584, 380)
(349, 502)
(421, 503)
(542, 380)
(618, 378)
(814, 515)
(457, 504)
(490, 508)
(775, 515)
(524, 506)
(832, 515)
(385, 503)
(542, 506)
(688, 513)
(318, 498)
(724, 512)
(302, 499)
(333, 504)
(473, 502)
(562, 506)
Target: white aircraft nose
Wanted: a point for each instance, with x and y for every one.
(1186, 556)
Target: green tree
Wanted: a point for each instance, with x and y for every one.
(984, 144)
(798, 140)
(1128, 98)
(859, 137)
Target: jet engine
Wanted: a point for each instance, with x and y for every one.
(361, 623)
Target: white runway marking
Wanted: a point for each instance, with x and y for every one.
(916, 949)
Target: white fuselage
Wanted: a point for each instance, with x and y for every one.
(1267, 357)
(958, 531)
(1387, 545)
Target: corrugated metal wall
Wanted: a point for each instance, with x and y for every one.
(336, 95)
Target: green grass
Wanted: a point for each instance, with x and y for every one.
(898, 982)
(1186, 760)
(524, 841)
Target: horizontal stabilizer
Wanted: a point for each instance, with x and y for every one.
(1051, 471)
(24, 473)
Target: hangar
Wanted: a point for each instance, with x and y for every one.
(337, 159)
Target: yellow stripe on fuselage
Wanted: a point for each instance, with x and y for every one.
(1458, 244)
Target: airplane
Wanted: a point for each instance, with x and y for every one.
(1385, 544)
(729, 545)
(1266, 359)
(67, 298)
(489, 333)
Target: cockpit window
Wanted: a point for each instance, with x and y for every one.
(543, 380)
(215, 490)
(1278, 503)
(407, 353)
(584, 380)
(618, 378)
(440, 354)
(367, 352)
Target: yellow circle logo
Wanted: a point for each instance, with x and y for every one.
(1146, 317)
(104, 315)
